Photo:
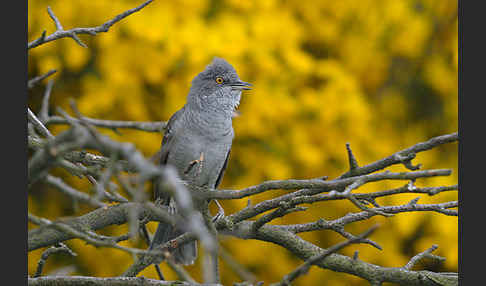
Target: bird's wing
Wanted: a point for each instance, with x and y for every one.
(167, 142)
(221, 173)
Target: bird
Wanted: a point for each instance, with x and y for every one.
(197, 142)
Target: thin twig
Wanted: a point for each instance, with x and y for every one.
(425, 254)
(44, 111)
(353, 163)
(349, 218)
(302, 269)
(148, 126)
(180, 271)
(33, 82)
(97, 240)
(59, 184)
(38, 124)
(239, 269)
(403, 155)
(284, 209)
(51, 250)
(38, 220)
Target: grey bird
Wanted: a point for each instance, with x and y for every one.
(197, 141)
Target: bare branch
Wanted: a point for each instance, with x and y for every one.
(404, 155)
(95, 239)
(349, 218)
(156, 126)
(317, 186)
(192, 204)
(353, 163)
(280, 212)
(333, 195)
(33, 82)
(54, 18)
(71, 192)
(72, 33)
(47, 156)
(51, 250)
(335, 262)
(314, 186)
(302, 269)
(38, 220)
(239, 269)
(48, 235)
(67, 150)
(180, 271)
(81, 157)
(38, 124)
(44, 111)
(148, 259)
(426, 254)
(106, 281)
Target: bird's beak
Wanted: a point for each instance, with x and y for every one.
(241, 85)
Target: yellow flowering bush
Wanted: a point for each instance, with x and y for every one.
(380, 75)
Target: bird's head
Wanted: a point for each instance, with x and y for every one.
(217, 87)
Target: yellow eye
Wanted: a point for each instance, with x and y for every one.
(219, 80)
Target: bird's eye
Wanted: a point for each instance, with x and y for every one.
(219, 80)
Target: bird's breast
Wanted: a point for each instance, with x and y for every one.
(199, 158)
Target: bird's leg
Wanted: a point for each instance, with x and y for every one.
(211, 272)
(172, 207)
(200, 162)
(194, 162)
(220, 213)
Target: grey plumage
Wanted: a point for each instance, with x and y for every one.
(197, 140)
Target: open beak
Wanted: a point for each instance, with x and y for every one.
(241, 85)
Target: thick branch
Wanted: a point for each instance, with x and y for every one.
(106, 281)
(308, 191)
(335, 262)
(100, 218)
(83, 157)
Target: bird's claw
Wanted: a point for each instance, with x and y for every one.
(220, 213)
(218, 216)
(171, 209)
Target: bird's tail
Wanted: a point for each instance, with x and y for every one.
(185, 254)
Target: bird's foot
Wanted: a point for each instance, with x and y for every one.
(171, 208)
(220, 213)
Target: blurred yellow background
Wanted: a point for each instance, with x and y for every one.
(381, 75)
